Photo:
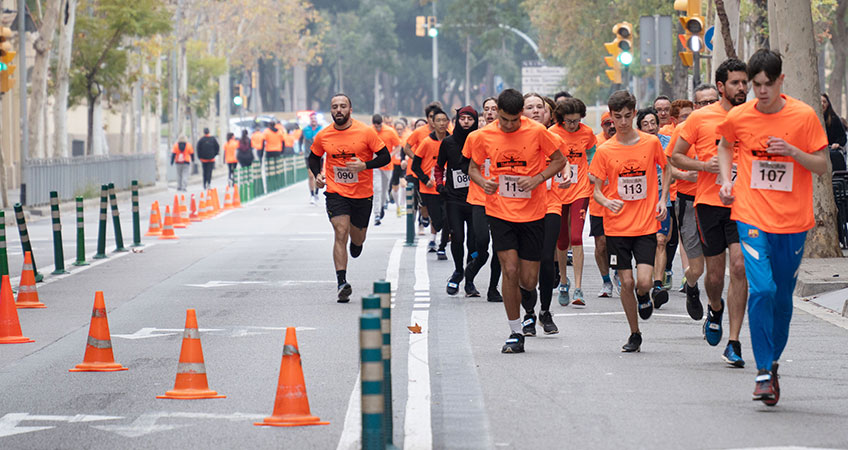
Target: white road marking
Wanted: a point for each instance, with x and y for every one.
(218, 283)
(146, 423)
(9, 422)
(45, 270)
(417, 427)
(617, 313)
(145, 333)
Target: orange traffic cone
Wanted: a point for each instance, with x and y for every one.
(184, 211)
(10, 326)
(236, 198)
(201, 207)
(191, 371)
(216, 203)
(228, 200)
(291, 407)
(27, 292)
(168, 227)
(155, 228)
(175, 216)
(194, 216)
(98, 351)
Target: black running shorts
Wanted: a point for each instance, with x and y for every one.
(596, 226)
(716, 229)
(526, 237)
(623, 249)
(397, 172)
(359, 209)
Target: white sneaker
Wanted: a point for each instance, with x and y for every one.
(312, 200)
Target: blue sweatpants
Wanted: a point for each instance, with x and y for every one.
(771, 266)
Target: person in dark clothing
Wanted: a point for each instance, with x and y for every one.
(456, 190)
(245, 150)
(207, 151)
(836, 137)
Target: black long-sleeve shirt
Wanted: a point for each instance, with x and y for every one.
(450, 156)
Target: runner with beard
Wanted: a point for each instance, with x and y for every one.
(456, 191)
(477, 199)
(351, 148)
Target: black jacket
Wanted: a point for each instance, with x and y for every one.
(450, 155)
(835, 131)
(207, 147)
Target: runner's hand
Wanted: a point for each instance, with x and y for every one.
(529, 183)
(726, 193)
(711, 166)
(431, 184)
(662, 210)
(355, 165)
(565, 184)
(490, 187)
(780, 147)
(319, 181)
(691, 176)
(403, 164)
(614, 205)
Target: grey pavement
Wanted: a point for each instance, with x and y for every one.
(251, 272)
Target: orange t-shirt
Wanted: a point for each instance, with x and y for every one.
(390, 137)
(684, 187)
(257, 139)
(413, 140)
(521, 153)
(576, 146)
(428, 151)
(273, 140)
(396, 156)
(476, 196)
(340, 146)
(183, 157)
(230, 151)
(702, 134)
(552, 190)
(288, 139)
(667, 129)
(773, 193)
(631, 171)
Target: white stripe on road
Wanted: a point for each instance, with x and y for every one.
(617, 313)
(418, 432)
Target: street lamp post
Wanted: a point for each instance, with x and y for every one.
(434, 34)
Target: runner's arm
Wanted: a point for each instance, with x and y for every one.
(598, 195)
(815, 162)
(381, 159)
(558, 162)
(314, 163)
(725, 159)
(416, 168)
(680, 158)
(408, 151)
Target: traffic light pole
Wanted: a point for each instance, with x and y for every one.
(696, 69)
(435, 60)
(22, 78)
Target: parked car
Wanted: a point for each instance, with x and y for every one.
(248, 123)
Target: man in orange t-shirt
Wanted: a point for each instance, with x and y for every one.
(403, 132)
(516, 204)
(351, 147)
(182, 155)
(424, 168)
(596, 215)
(779, 143)
(382, 176)
(718, 231)
(412, 142)
(634, 207)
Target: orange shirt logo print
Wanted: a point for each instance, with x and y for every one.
(510, 160)
(632, 182)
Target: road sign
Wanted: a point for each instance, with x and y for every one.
(708, 37)
(655, 40)
(542, 79)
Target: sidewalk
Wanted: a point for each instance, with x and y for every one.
(824, 282)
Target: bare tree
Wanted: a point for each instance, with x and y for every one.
(38, 83)
(839, 39)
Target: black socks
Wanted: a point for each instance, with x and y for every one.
(528, 300)
(341, 277)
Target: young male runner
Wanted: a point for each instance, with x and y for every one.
(717, 229)
(424, 165)
(779, 143)
(418, 134)
(517, 148)
(351, 148)
(634, 207)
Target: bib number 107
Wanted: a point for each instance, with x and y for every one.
(775, 176)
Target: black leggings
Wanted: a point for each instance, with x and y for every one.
(459, 217)
(481, 243)
(673, 238)
(547, 270)
(433, 202)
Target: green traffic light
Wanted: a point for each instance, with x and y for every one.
(237, 100)
(625, 58)
(433, 32)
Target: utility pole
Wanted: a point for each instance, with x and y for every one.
(22, 78)
(435, 37)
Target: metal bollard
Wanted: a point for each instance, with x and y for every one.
(410, 217)
(26, 245)
(4, 258)
(101, 232)
(116, 219)
(136, 216)
(80, 235)
(383, 289)
(58, 250)
(373, 437)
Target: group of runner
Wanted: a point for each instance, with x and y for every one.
(715, 175)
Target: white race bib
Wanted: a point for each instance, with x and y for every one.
(343, 175)
(460, 179)
(180, 157)
(772, 175)
(732, 176)
(633, 188)
(572, 172)
(508, 187)
(486, 165)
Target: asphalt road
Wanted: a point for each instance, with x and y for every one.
(252, 272)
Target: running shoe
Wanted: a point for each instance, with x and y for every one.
(529, 324)
(377, 222)
(733, 355)
(667, 279)
(764, 388)
(634, 343)
(645, 307)
(693, 302)
(577, 298)
(570, 259)
(775, 381)
(548, 325)
(563, 292)
(399, 211)
(712, 325)
(391, 199)
(682, 289)
(344, 292)
(311, 199)
(431, 247)
(492, 295)
(515, 344)
(425, 222)
(606, 290)
(470, 289)
(453, 282)
(441, 255)
(659, 296)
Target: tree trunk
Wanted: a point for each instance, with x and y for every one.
(38, 81)
(679, 85)
(791, 33)
(157, 133)
(377, 108)
(89, 134)
(730, 10)
(224, 94)
(839, 39)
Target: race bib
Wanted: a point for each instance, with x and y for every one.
(343, 175)
(460, 179)
(633, 188)
(572, 173)
(508, 187)
(772, 175)
(180, 157)
(732, 176)
(486, 165)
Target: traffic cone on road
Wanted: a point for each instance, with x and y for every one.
(194, 216)
(155, 227)
(202, 207)
(184, 211)
(236, 197)
(98, 351)
(216, 203)
(191, 380)
(168, 226)
(27, 292)
(10, 326)
(291, 407)
(228, 200)
(175, 216)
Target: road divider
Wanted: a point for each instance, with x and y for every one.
(4, 258)
(101, 229)
(26, 245)
(81, 231)
(136, 218)
(58, 250)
